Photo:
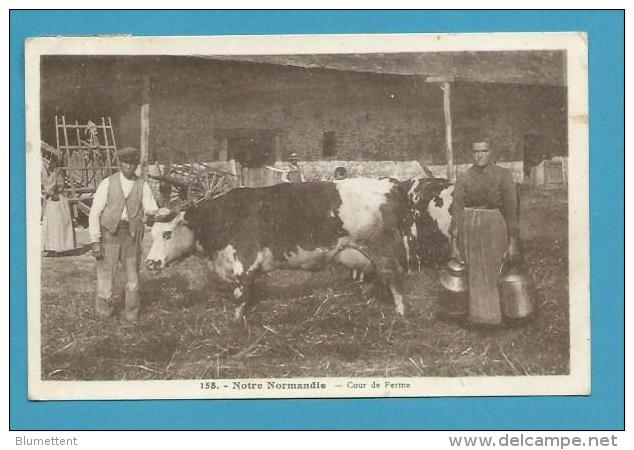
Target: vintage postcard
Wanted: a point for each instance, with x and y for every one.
(308, 216)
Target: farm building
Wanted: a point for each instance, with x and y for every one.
(378, 114)
(257, 110)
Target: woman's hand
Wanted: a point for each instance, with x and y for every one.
(455, 251)
(513, 250)
(97, 250)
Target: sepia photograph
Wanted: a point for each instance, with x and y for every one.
(308, 216)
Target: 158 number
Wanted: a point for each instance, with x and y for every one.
(208, 385)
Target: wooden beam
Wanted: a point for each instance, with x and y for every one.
(114, 145)
(446, 90)
(440, 79)
(72, 186)
(105, 140)
(145, 126)
(444, 81)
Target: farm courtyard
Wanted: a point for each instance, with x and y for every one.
(308, 325)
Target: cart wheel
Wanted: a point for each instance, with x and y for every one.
(207, 184)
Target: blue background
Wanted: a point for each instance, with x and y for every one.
(604, 409)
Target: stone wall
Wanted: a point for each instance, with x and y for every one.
(324, 170)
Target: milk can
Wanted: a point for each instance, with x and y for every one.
(455, 282)
(517, 291)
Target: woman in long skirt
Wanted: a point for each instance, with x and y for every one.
(484, 231)
(58, 234)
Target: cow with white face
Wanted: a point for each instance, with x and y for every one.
(246, 232)
(172, 240)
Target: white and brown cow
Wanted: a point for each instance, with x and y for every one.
(356, 222)
(426, 226)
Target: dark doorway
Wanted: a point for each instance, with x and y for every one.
(535, 151)
(252, 151)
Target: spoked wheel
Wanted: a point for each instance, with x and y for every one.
(190, 183)
(207, 184)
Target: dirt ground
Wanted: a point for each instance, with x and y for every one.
(310, 324)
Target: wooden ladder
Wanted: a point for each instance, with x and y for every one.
(91, 141)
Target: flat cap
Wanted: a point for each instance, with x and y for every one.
(481, 146)
(129, 155)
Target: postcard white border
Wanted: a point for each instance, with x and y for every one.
(578, 382)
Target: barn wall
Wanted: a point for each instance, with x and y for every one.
(513, 118)
(373, 117)
(87, 88)
(128, 133)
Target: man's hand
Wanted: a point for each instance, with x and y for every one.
(97, 250)
(149, 219)
(513, 250)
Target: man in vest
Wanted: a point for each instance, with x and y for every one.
(116, 230)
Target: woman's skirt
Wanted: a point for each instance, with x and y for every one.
(482, 238)
(58, 234)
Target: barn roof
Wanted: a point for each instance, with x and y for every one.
(519, 67)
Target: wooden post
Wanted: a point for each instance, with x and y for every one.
(61, 153)
(70, 175)
(112, 156)
(107, 145)
(445, 84)
(446, 91)
(277, 144)
(145, 126)
(85, 172)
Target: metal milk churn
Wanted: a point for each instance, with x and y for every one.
(455, 282)
(517, 291)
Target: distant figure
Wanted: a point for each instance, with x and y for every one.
(340, 173)
(294, 173)
(58, 234)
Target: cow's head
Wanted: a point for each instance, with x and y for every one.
(172, 240)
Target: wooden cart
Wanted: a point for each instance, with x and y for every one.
(185, 184)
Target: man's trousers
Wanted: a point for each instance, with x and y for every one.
(119, 248)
